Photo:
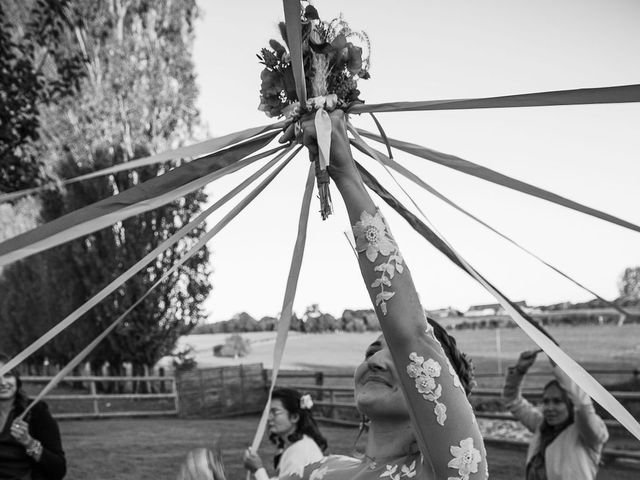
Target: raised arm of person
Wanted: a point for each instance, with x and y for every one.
(591, 428)
(442, 418)
(522, 409)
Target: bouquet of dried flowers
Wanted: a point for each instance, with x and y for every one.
(334, 57)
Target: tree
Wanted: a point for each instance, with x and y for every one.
(234, 346)
(629, 284)
(38, 66)
(137, 97)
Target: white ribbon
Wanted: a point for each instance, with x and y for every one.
(287, 304)
(111, 287)
(323, 131)
(196, 247)
(575, 371)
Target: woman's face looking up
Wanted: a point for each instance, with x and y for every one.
(377, 387)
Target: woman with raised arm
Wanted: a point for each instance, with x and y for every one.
(421, 423)
(568, 433)
(413, 382)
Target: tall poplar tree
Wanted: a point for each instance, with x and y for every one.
(137, 97)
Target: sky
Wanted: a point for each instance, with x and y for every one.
(432, 50)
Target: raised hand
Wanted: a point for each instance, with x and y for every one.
(527, 358)
(342, 167)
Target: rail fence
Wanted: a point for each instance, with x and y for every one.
(336, 403)
(225, 391)
(209, 392)
(90, 396)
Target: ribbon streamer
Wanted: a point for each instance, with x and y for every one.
(470, 168)
(121, 279)
(287, 304)
(192, 251)
(294, 41)
(433, 237)
(581, 96)
(578, 374)
(386, 161)
(193, 151)
(141, 198)
(322, 123)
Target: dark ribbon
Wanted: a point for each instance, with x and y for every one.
(432, 237)
(581, 96)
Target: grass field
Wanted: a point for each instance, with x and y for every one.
(152, 449)
(143, 449)
(595, 347)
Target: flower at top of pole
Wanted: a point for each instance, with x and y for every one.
(334, 58)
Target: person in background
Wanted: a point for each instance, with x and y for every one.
(295, 433)
(30, 449)
(568, 433)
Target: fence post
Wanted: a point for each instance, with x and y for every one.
(202, 396)
(499, 350)
(96, 408)
(176, 399)
(242, 395)
(319, 382)
(162, 385)
(332, 399)
(223, 394)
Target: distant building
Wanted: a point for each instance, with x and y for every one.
(494, 309)
(444, 313)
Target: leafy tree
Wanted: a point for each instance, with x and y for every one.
(38, 66)
(234, 346)
(243, 322)
(268, 324)
(137, 97)
(629, 283)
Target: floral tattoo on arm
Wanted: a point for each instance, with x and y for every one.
(373, 238)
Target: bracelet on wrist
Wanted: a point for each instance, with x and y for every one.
(34, 450)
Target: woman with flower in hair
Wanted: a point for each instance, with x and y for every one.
(294, 432)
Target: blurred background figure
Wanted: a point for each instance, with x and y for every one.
(30, 448)
(568, 433)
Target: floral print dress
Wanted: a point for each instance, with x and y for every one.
(413, 466)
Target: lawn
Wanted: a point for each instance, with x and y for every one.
(152, 449)
(607, 346)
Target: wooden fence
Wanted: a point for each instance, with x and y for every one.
(336, 403)
(233, 390)
(211, 392)
(222, 391)
(83, 399)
